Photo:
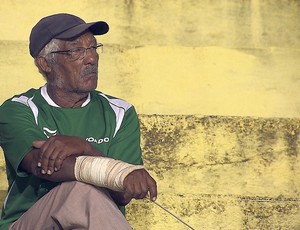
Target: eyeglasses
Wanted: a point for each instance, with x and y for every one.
(80, 52)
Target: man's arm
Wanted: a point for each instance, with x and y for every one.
(30, 165)
(56, 149)
(65, 149)
(54, 159)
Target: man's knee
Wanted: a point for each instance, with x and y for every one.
(76, 187)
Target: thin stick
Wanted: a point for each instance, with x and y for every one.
(172, 214)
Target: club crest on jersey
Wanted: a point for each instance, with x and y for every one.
(98, 141)
(49, 133)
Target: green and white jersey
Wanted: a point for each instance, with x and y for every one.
(110, 124)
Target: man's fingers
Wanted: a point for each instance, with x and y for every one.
(129, 189)
(47, 158)
(152, 188)
(143, 189)
(44, 150)
(38, 144)
(53, 161)
(58, 161)
(139, 183)
(136, 191)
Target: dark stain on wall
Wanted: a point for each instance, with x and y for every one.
(164, 135)
(255, 145)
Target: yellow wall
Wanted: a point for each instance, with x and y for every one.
(177, 57)
(223, 77)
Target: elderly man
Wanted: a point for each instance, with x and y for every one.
(73, 156)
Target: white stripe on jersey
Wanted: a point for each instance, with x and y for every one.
(28, 102)
(119, 106)
(52, 103)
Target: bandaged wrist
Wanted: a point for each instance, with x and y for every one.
(103, 171)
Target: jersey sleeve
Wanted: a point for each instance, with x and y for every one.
(18, 129)
(125, 145)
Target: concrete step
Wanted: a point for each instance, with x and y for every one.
(220, 172)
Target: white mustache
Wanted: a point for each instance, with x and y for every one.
(88, 70)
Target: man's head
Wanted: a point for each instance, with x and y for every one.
(64, 49)
(61, 26)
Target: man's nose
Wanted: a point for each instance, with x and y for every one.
(91, 56)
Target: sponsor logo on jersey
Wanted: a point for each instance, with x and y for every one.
(97, 140)
(49, 133)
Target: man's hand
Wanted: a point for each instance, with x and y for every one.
(56, 149)
(137, 185)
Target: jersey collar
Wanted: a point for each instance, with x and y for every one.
(52, 103)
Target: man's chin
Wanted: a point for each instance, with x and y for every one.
(90, 82)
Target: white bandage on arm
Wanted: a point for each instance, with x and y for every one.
(103, 171)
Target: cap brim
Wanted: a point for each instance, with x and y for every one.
(97, 28)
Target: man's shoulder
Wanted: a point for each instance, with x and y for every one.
(112, 101)
(19, 106)
(21, 98)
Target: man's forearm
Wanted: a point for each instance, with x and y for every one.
(134, 180)
(66, 173)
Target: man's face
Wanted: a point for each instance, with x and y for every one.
(79, 76)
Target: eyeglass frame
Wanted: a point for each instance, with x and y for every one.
(70, 51)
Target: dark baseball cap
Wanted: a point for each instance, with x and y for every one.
(61, 26)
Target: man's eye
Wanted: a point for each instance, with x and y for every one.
(75, 50)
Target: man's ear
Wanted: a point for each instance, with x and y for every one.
(43, 64)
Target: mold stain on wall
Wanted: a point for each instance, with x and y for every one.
(230, 172)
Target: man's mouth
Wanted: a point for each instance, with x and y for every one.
(89, 70)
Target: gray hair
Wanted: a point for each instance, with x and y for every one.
(53, 45)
